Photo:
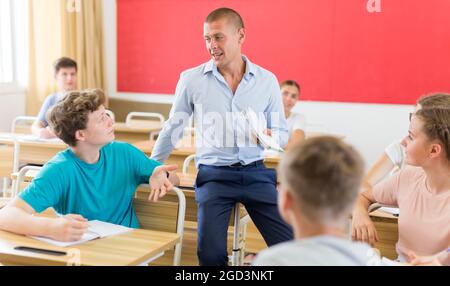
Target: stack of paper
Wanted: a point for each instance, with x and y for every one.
(265, 140)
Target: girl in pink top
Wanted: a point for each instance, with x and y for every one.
(420, 190)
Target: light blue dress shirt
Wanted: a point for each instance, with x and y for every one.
(222, 135)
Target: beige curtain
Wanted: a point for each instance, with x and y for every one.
(71, 28)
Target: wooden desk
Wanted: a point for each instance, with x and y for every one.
(177, 156)
(33, 151)
(387, 228)
(272, 161)
(132, 248)
(139, 131)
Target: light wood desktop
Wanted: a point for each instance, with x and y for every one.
(33, 151)
(179, 154)
(176, 157)
(136, 247)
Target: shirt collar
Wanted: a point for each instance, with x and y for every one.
(249, 67)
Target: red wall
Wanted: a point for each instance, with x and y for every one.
(335, 49)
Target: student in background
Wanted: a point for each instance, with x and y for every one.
(296, 122)
(95, 178)
(421, 189)
(66, 78)
(319, 182)
(393, 157)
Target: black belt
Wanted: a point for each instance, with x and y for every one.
(252, 164)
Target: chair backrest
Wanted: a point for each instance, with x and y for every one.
(168, 216)
(23, 177)
(131, 117)
(22, 124)
(111, 114)
(6, 165)
(186, 163)
(6, 159)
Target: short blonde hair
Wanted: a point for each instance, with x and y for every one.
(324, 175)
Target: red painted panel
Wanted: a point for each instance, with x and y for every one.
(336, 50)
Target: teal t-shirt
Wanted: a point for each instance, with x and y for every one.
(102, 191)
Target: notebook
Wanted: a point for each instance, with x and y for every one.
(97, 229)
(266, 141)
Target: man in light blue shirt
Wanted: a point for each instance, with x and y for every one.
(229, 159)
(94, 179)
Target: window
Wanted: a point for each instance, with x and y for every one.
(6, 42)
(13, 45)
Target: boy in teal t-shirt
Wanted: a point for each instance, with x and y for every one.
(95, 178)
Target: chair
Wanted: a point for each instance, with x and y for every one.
(24, 175)
(6, 168)
(240, 224)
(22, 124)
(162, 216)
(111, 115)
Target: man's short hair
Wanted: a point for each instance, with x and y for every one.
(324, 175)
(64, 62)
(71, 113)
(227, 13)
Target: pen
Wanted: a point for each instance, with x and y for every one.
(41, 250)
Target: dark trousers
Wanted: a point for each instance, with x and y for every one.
(218, 189)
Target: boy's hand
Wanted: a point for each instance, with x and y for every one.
(68, 228)
(160, 183)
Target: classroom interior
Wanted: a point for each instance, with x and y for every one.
(361, 66)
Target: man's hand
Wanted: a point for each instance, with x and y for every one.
(68, 228)
(268, 132)
(160, 183)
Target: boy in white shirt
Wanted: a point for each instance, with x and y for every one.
(290, 91)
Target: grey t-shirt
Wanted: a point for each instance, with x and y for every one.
(49, 101)
(318, 251)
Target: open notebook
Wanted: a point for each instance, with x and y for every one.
(266, 141)
(97, 229)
